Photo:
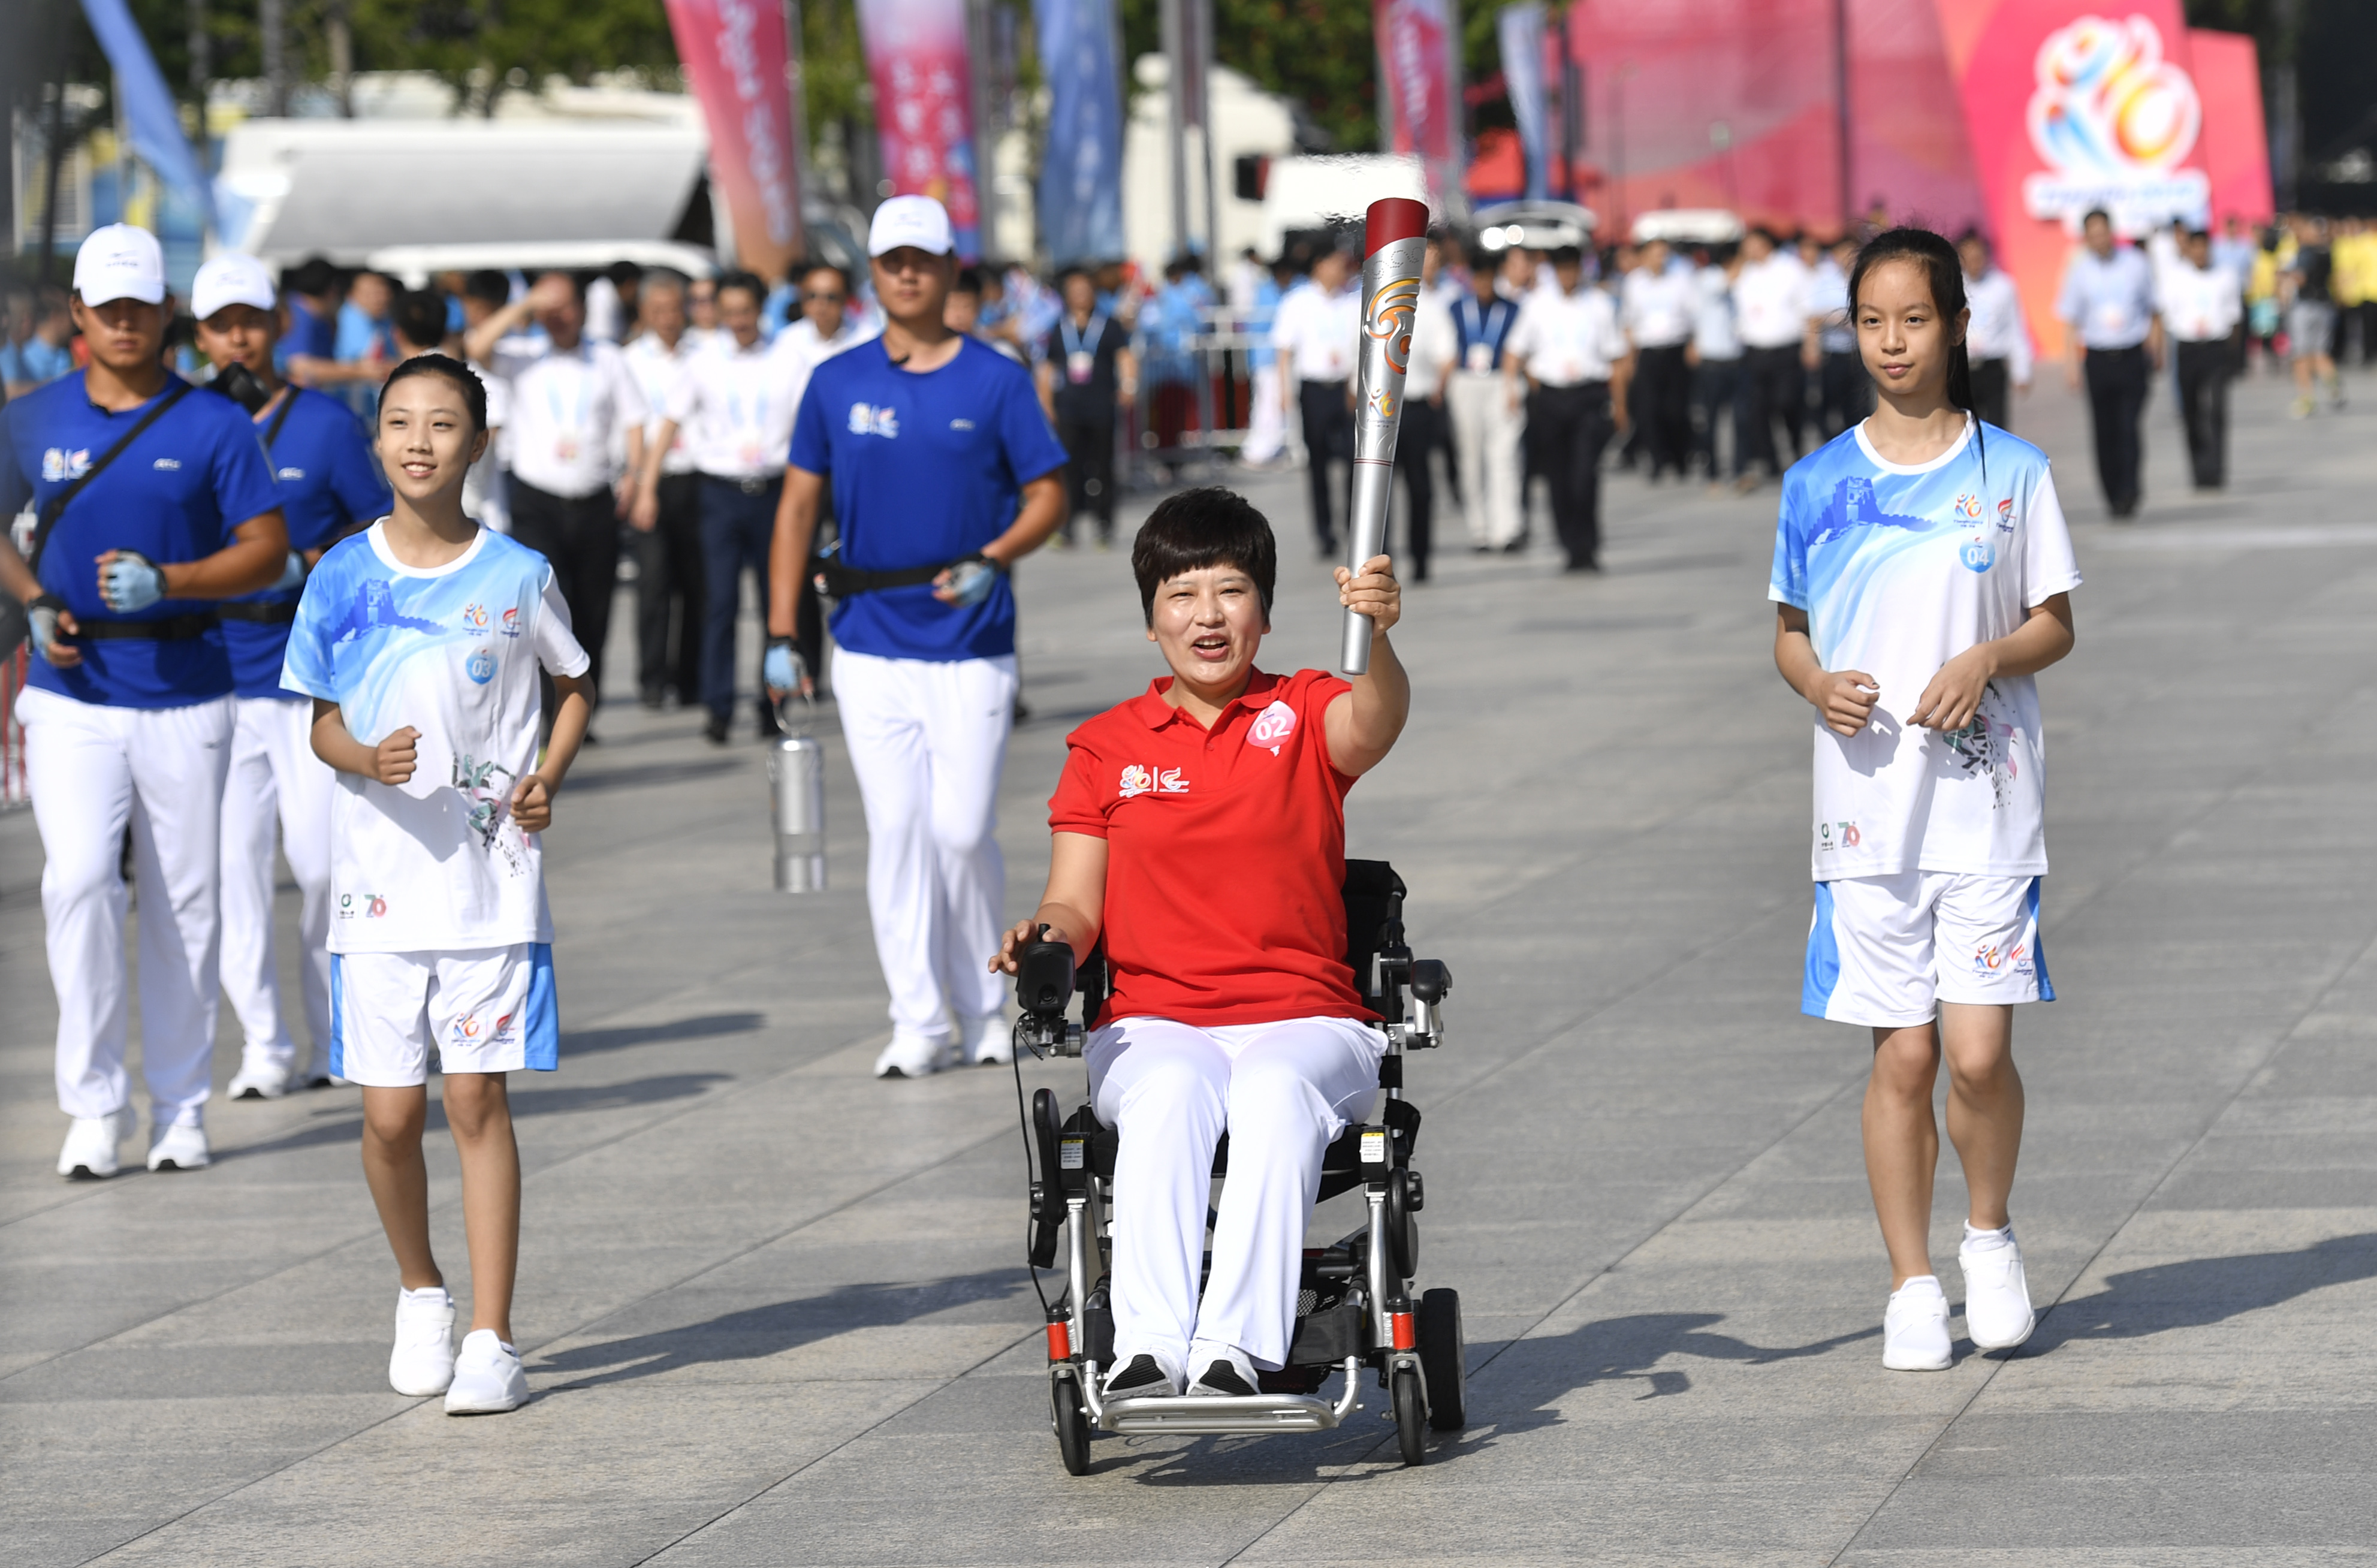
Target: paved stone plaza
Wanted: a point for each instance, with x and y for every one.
(774, 1312)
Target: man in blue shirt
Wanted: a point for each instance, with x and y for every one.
(157, 504)
(330, 485)
(2109, 306)
(944, 474)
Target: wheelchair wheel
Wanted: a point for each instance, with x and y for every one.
(1072, 1421)
(1410, 1416)
(1446, 1360)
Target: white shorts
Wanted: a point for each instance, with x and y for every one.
(1886, 950)
(486, 1010)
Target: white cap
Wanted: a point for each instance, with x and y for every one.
(119, 262)
(232, 278)
(917, 220)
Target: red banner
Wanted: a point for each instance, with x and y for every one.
(1416, 45)
(2227, 71)
(924, 106)
(734, 52)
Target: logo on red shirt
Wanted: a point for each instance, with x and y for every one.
(1137, 780)
(1272, 727)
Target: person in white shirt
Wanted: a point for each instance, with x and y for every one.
(2115, 342)
(1569, 350)
(1998, 340)
(1844, 391)
(2201, 306)
(570, 401)
(1770, 310)
(1432, 351)
(1922, 578)
(735, 405)
(1316, 333)
(669, 573)
(1486, 425)
(1657, 304)
(833, 321)
(1719, 397)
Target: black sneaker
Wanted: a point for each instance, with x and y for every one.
(714, 730)
(1223, 1379)
(1143, 1378)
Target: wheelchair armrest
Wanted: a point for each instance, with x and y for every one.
(1431, 980)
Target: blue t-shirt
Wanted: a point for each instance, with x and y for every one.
(175, 494)
(926, 468)
(329, 479)
(309, 336)
(34, 360)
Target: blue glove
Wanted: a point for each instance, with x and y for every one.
(294, 574)
(971, 582)
(781, 668)
(132, 582)
(42, 615)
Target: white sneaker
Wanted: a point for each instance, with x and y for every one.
(1228, 1373)
(1915, 1327)
(1996, 1296)
(488, 1378)
(90, 1152)
(263, 1080)
(179, 1148)
(423, 1363)
(990, 1042)
(910, 1055)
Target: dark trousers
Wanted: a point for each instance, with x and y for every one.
(1777, 391)
(1845, 392)
(2203, 404)
(1720, 395)
(736, 525)
(1992, 393)
(1089, 471)
(1422, 434)
(668, 593)
(1328, 439)
(579, 534)
(1574, 425)
(1665, 407)
(2117, 384)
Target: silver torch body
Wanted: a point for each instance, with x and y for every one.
(796, 805)
(1395, 238)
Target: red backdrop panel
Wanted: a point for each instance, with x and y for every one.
(2236, 138)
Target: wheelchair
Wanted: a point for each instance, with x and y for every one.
(1356, 1308)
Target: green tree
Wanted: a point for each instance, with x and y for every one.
(1321, 54)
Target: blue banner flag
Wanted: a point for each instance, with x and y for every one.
(149, 109)
(1521, 29)
(1080, 180)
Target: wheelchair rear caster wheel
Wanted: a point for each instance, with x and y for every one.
(1445, 1358)
(1073, 1424)
(1411, 1415)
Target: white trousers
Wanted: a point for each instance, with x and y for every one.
(1486, 432)
(94, 771)
(927, 739)
(276, 780)
(1267, 419)
(1283, 1090)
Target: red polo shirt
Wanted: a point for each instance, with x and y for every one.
(1225, 854)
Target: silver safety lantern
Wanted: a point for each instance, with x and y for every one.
(796, 803)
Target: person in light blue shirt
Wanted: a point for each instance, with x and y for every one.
(944, 474)
(2113, 324)
(365, 344)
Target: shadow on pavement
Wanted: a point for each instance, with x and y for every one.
(637, 776)
(756, 1332)
(2202, 1291)
(585, 1042)
(348, 1129)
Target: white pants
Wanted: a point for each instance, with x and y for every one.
(1887, 950)
(1486, 432)
(1283, 1090)
(275, 779)
(482, 1010)
(94, 771)
(927, 739)
(1267, 419)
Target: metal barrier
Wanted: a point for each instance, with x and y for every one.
(1221, 388)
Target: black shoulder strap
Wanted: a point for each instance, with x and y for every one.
(57, 507)
(272, 431)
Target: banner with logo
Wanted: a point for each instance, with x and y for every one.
(924, 105)
(1080, 180)
(2068, 110)
(1520, 29)
(1419, 45)
(733, 52)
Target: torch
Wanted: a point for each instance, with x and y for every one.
(1394, 233)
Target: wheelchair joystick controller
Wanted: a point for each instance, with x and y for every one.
(1044, 989)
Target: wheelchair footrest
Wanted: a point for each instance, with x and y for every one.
(1182, 1413)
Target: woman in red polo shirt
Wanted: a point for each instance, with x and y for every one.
(1200, 829)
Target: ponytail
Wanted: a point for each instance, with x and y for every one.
(1945, 272)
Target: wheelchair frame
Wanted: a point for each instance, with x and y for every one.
(1363, 1281)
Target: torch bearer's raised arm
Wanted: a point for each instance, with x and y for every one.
(1394, 236)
